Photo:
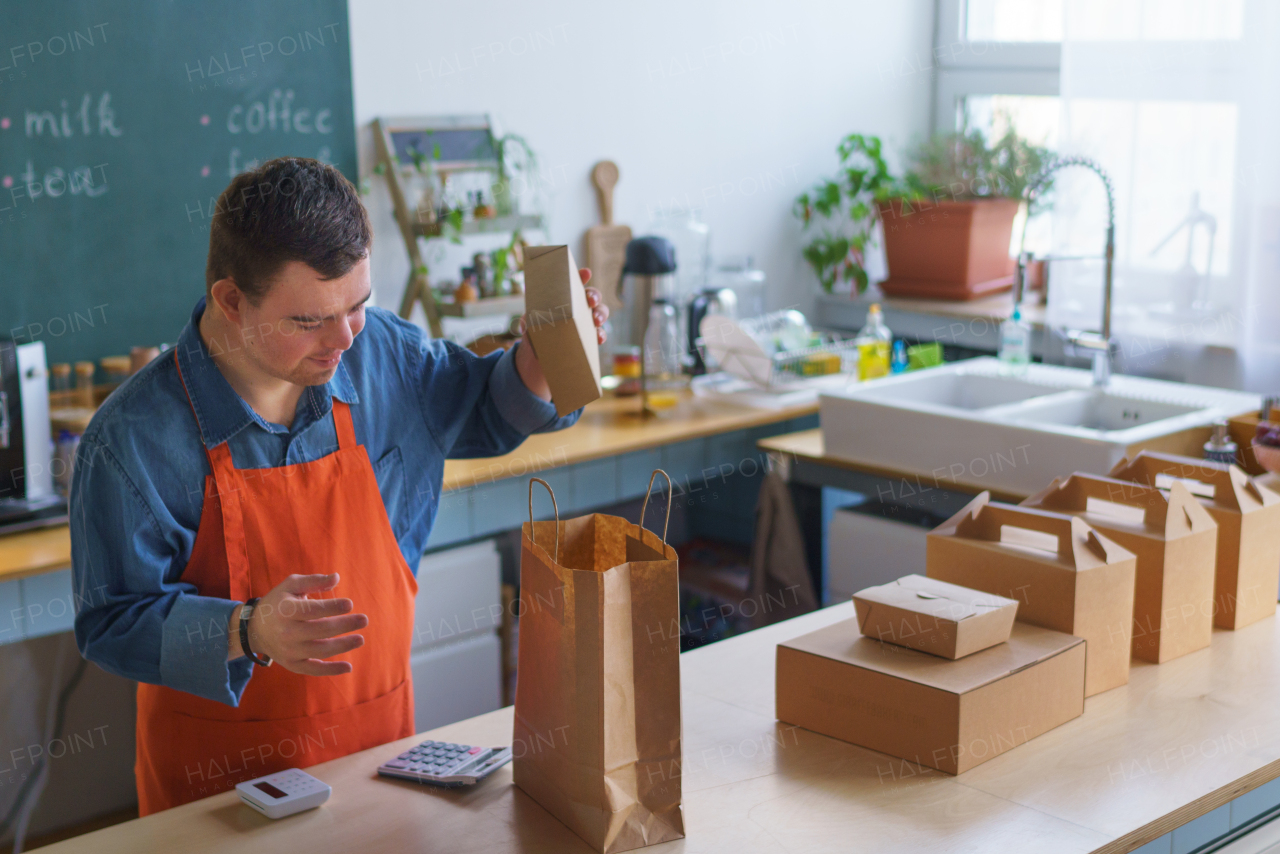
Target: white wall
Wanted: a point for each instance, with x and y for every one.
(729, 106)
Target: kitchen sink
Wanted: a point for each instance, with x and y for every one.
(964, 425)
(1099, 411)
(959, 391)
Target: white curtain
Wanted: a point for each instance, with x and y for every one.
(1179, 101)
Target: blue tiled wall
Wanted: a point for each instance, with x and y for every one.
(501, 505)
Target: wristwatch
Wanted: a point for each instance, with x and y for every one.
(245, 613)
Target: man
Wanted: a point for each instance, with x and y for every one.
(247, 510)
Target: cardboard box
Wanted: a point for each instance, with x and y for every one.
(560, 328)
(1175, 540)
(933, 616)
(1069, 578)
(948, 715)
(1247, 572)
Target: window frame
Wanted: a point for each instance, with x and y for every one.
(966, 67)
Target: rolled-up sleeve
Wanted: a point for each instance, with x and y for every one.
(133, 617)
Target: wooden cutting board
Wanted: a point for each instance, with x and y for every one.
(607, 243)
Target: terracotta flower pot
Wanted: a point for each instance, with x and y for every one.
(948, 250)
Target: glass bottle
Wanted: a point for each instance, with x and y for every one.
(662, 341)
(873, 343)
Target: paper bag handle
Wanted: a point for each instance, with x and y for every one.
(556, 506)
(644, 507)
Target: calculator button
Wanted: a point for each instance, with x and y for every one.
(475, 750)
(397, 764)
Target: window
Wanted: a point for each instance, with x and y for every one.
(1149, 89)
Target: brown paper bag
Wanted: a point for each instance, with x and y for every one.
(597, 717)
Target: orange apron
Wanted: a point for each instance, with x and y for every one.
(259, 526)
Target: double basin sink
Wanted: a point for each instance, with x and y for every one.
(966, 425)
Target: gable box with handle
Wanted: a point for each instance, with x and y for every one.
(1070, 579)
(1175, 540)
(1247, 572)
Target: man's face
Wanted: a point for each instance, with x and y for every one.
(300, 329)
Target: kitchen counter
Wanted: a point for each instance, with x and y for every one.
(606, 430)
(1182, 742)
(804, 451)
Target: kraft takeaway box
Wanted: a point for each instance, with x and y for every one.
(1069, 578)
(948, 715)
(1248, 515)
(560, 328)
(934, 616)
(1175, 541)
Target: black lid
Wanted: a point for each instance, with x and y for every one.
(650, 256)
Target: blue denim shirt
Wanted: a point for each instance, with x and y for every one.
(139, 479)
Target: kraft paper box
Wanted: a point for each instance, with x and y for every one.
(1175, 541)
(948, 715)
(934, 616)
(1248, 516)
(560, 328)
(1070, 579)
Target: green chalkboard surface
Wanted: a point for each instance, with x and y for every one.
(120, 123)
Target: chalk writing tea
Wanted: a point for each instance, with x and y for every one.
(76, 181)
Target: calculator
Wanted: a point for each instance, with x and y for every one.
(284, 793)
(442, 763)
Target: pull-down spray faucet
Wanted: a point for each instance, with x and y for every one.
(1098, 344)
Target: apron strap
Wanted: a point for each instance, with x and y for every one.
(226, 482)
(343, 425)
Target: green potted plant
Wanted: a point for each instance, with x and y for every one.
(843, 212)
(947, 227)
(947, 222)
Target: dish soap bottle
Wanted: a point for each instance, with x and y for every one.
(873, 344)
(1015, 345)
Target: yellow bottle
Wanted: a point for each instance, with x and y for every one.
(874, 343)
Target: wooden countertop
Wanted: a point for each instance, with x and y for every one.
(1180, 739)
(34, 552)
(808, 445)
(607, 428)
(998, 308)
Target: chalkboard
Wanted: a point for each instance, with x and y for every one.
(120, 123)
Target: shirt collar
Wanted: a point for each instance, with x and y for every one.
(220, 411)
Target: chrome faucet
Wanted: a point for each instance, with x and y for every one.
(1079, 342)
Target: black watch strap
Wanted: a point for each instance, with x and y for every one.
(245, 614)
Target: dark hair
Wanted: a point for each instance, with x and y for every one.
(287, 209)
